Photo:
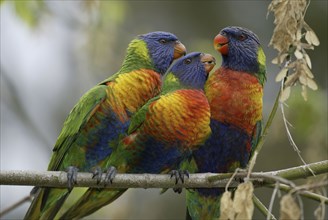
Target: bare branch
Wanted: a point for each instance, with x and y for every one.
(59, 178)
(260, 206)
(305, 193)
(290, 137)
(260, 143)
(274, 193)
(289, 174)
(16, 205)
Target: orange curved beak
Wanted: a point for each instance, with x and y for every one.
(209, 62)
(221, 44)
(179, 50)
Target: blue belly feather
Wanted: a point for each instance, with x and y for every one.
(102, 139)
(225, 147)
(156, 156)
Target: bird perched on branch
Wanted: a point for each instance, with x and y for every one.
(163, 132)
(102, 116)
(234, 92)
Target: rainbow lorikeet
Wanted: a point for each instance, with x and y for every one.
(102, 116)
(163, 132)
(234, 92)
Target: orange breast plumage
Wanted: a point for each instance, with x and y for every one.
(235, 98)
(134, 89)
(183, 116)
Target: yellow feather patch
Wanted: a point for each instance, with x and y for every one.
(182, 115)
(170, 78)
(261, 56)
(140, 48)
(135, 88)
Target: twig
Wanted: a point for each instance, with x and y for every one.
(262, 208)
(290, 137)
(300, 202)
(207, 180)
(231, 179)
(301, 172)
(310, 186)
(274, 193)
(260, 144)
(305, 193)
(290, 173)
(16, 205)
(15, 104)
(59, 179)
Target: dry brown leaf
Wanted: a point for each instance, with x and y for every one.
(282, 74)
(307, 46)
(304, 92)
(298, 54)
(308, 72)
(280, 58)
(288, 14)
(285, 94)
(243, 203)
(288, 208)
(291, 79)
(303, 79)
(226, 207)
(311, 84)
(289, 32)
(308, 60)
(312, 38)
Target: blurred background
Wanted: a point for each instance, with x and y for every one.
(54, 51)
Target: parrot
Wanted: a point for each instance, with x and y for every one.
(234, 92)
(102, 116)
(162, 133)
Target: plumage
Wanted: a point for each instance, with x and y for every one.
(163, 132)
(102, 116)
(234, 93)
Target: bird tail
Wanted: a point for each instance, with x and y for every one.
(91, 201)
(46, 203)
(203, 204)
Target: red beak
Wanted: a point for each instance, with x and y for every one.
(221, 44)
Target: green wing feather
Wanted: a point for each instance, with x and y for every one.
(170, 83)
(77, 118)
(256, 135)
(139, 117)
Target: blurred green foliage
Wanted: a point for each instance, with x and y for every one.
(29, 10)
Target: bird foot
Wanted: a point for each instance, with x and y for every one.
(97, 173)
(71, 177)
(34, 191)
(179, 175)
(110, 175)
(239, 179)
(177, 190)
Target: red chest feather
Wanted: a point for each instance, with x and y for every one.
(235, 98)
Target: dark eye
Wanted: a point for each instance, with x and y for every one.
(163, 41)
(187, 61)
(242, 37)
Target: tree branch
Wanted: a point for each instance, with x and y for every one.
(205, 180)
(305, 193)
(260, 143)
(290, 173)
(16, 205)
(262, 208)
(59, 179)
